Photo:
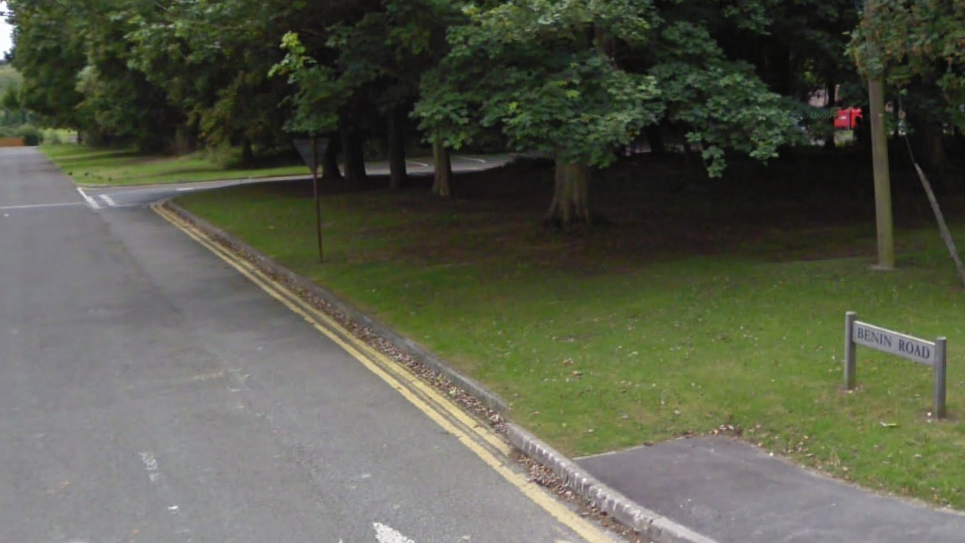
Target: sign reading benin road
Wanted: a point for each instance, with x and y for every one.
(894, 343)
(930, 353)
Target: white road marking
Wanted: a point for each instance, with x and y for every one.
(186, 189)
(154, 474)
(419, 164)
(90, 201)
(384, 534)
(150, 463)
(110, 201)
(479, 160)
(36, 206)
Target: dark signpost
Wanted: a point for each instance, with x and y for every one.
(311, 151)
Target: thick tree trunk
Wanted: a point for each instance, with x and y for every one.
(442, 184)
(397, 173)
(571, 195)
(330, 171)
(354, 156)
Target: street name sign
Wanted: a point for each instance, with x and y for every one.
(929, 353)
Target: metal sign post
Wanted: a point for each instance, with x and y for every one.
(311, 150)
(929, 353)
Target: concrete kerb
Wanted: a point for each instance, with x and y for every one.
(657, 528)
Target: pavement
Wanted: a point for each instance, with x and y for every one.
(151, 393)
(732, 492)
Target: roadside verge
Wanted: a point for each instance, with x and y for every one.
(465, 392)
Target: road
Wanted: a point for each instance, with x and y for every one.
(151, 393)
(134, 196)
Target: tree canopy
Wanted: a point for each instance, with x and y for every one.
(577, 79)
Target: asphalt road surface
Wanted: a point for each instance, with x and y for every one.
(134, 196)
(150, 393)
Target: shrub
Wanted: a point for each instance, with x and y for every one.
(31, 135)
(51, 136)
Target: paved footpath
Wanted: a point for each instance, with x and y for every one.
(150, 393)
(734, 493)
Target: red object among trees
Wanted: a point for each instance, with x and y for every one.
(847, 118)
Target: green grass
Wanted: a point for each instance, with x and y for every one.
(644, 332)
(126, 167)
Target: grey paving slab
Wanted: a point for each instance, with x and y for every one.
(735, 493)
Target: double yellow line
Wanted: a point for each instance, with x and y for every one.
(476, 436)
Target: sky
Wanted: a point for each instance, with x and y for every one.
(5, 30)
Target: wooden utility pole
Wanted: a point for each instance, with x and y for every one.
(882, 175)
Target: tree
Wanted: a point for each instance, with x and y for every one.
(581, 79)
(12, 101)
(917, 46)
(211, 59)
(49, 55)
(920, 54)
(383, 55)
(74, 60)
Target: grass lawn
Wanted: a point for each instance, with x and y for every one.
(704, 305)
(125, 167)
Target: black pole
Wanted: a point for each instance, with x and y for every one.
(318, 203)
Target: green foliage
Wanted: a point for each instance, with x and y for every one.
(545, 73)
(212, 60)
(917, 45)
(317, 97)
(532, 69)
(32, 136)
(583, 78)
(9, 76)
(10, 98)
(49, 54)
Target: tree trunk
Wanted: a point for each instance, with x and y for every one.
(442, 185)
(185, 141)
(603, 41)
(570, 195)
(942, 225)
(330, 171)
(397, 173)
(247, 153)
(655, 139)
(353, 154)
(829, 105)
(929, 146)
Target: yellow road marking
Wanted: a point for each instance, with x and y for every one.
(395, 377)
(388, 365)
